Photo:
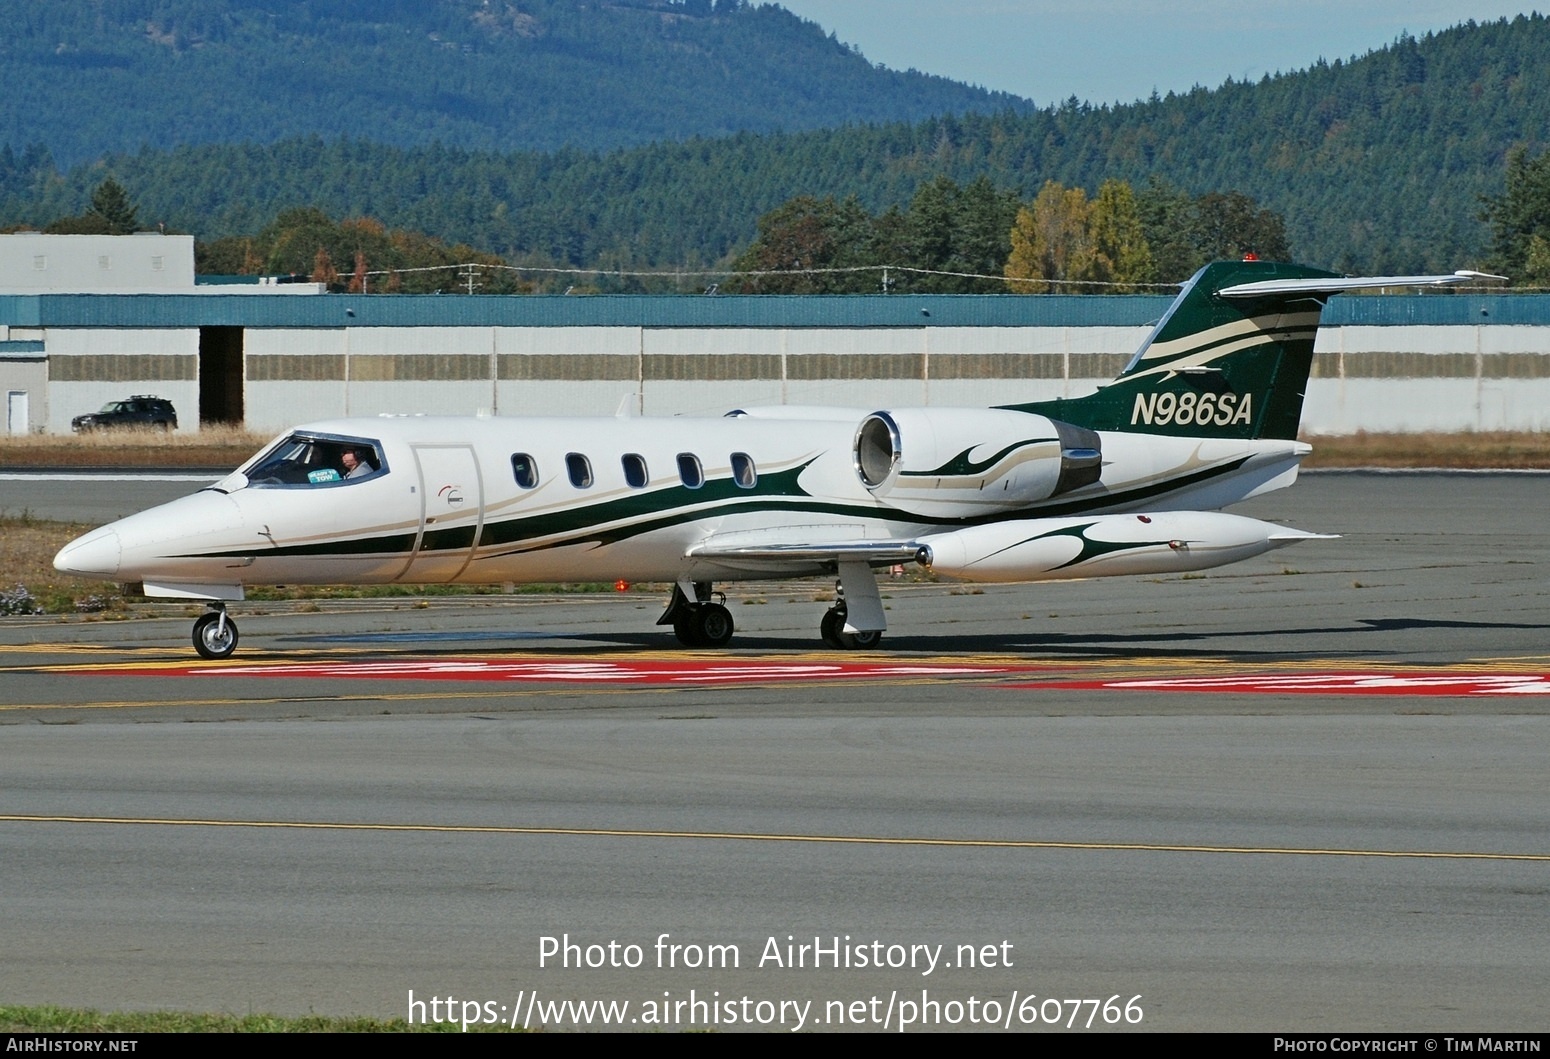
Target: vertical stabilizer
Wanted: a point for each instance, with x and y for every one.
(1218, 363)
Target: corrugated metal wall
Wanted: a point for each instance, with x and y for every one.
(1432, 362)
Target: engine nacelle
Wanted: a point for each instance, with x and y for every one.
(1055, 549)
(957, 462)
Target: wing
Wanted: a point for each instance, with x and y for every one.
(802, 546)
(793, 551)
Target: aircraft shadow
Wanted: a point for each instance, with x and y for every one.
(1270, 645)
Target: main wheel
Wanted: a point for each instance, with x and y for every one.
(829, 628)
(862, 641)
(832, 629)
(210, 640)
(713, 623)
(685, 629)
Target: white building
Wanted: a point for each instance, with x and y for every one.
(143, 263)
(1444, 362)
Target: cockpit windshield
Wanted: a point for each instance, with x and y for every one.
(305, 460)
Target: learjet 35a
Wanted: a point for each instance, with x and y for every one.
(1126, 480)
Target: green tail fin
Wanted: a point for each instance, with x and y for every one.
(1229, 365)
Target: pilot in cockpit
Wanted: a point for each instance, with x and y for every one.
(357, 463)
(303, 460)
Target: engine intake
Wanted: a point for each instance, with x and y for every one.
(956, 463)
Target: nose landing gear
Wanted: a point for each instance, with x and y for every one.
(215, 634)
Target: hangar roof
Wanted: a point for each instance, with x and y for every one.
(786, 311)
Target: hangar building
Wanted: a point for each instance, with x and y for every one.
(106, 317)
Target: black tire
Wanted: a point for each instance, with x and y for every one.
(862, 641)
(833, 632)
(685, 629)
(209, 641)
(829, 628)
(713, 623)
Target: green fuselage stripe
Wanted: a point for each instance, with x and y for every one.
(617, 520)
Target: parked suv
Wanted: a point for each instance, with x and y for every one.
(141, 410)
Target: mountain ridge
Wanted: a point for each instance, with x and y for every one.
(90, 79)
(1377, 164)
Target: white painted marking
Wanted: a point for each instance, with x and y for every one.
(101, 476)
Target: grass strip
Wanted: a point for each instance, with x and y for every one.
(50, 1019)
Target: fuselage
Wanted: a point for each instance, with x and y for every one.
(492, 500)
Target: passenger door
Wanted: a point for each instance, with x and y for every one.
(451, 513)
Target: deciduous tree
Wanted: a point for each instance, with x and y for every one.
(1051, 244)
(1120, 252)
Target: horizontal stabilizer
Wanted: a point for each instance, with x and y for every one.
(1337, 284)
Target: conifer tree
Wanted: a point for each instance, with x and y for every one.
(110, 202)
(1520, 220)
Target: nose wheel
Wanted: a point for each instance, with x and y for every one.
(215, 634)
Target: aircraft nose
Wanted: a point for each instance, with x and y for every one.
(95, 555)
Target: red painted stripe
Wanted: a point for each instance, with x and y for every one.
(1334, 683)
(730, 671)
(688, 671)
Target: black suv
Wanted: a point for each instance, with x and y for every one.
(141, 410)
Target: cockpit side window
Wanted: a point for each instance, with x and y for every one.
(312, 460)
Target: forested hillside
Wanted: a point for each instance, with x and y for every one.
(90, 78)
(1376, 164)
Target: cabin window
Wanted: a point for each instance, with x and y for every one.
(524, 470)
(743, 471)
(580, 470)
(635, 470)
(689, 470)
(306, 459)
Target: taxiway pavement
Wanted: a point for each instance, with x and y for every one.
(1369, 854)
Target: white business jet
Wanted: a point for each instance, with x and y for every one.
(1126, 480)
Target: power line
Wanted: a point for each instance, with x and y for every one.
(678, 273)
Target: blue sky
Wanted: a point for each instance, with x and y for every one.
(1107, 51)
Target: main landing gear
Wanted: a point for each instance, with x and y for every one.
(858, 606)
(832, 629)
(215, 635)
(704, 620)
(702, 623)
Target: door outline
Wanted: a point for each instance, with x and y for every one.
(450, 481)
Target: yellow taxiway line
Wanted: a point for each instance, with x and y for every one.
(738, 836)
